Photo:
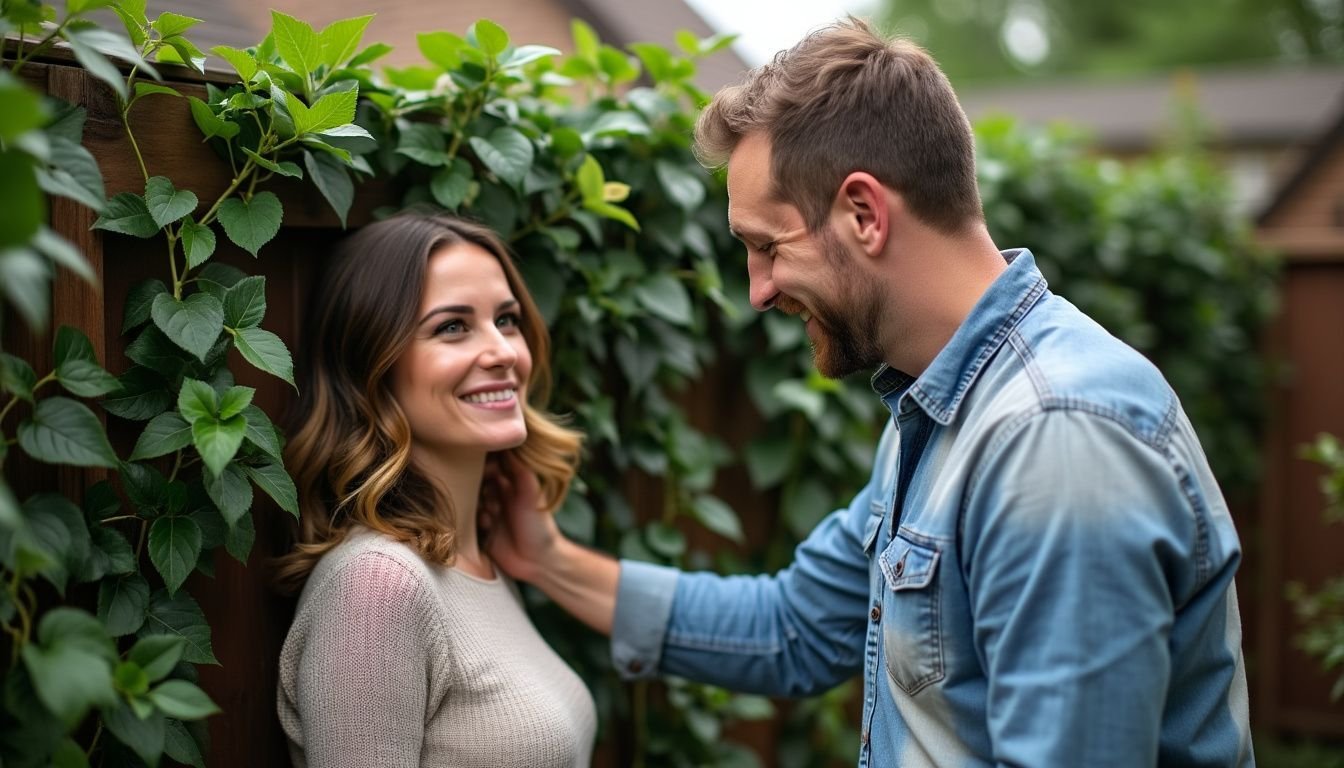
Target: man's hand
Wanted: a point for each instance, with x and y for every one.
(525, 543)
(519, 535)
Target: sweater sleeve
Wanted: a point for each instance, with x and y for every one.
(365, 671)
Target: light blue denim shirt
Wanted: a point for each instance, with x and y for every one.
(1038, 573)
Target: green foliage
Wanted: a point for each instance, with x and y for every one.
(974, 39)
(620, 235)
(1321, 611)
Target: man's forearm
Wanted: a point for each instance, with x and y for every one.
(583, 582)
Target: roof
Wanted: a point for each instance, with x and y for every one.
(1242, 107)
(1312, 162)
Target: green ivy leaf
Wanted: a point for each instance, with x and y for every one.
(139, 300)
(85, 379)
(123, 603)
(153, 350)
(111, 552)
(174, 546)
(329, 111)
(423, 144)
(166, 203)
(164, 434)
(69, 755)
(180, 616)
(276, 482)
(717, 517)
(526, 54)
(127, 214)
(332, 180)
(211, 125)
(68, 677)
(17, 376)
(71, 344)
(182, 51)
(260, 431)
(231, 493)
(244, 63)
(182, 700)
(451, 184)
(74, 173)
(180, 746)
(251, 224)
(140, 395)
(192, 324)
(768, 462)
(239, 539)
(665, 540)
(63, 431)
(666, 297)
(506, 152)
(372, 53)
(489, 36)
(197, 400)
(442, 49)
(266, 351)
(144, 736)
(340, 39)
(234, 400)
(683, 188)
(157, 654)
(245, 303)
(609, 211)
(198, 243)
(297, 43)
(218, 440)
(171, 24)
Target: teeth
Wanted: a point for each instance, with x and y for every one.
(491, 397)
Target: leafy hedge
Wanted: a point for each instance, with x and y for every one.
(583, 163)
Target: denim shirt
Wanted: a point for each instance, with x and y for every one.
(1039, 571)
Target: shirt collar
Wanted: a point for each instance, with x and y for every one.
(942, 387)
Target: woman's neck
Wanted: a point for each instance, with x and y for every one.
(458, 478)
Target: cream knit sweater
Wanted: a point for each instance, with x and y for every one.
(395, 662)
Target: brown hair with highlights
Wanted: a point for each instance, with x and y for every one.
(844, 100)
(350, 454)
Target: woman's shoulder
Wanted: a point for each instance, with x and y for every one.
(371, 565)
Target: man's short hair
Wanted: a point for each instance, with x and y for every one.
(844, 100)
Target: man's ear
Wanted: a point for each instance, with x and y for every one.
(861, 212)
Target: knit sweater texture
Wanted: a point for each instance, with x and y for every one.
(393, 661)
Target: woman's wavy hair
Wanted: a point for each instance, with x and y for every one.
(350, 450)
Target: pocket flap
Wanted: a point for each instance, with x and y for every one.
(870, 531)
(908, 565)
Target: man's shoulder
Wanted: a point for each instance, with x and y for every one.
(1068, 362)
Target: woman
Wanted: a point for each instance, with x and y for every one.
(409, 648)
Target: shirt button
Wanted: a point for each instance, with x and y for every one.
(635, 667)
(900, 567)
(876, 613)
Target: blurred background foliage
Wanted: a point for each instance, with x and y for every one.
(987, 40)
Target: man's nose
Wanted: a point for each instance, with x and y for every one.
(763, 291)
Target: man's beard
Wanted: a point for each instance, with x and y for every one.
(845, 342)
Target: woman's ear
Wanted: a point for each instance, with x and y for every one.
(861, 212)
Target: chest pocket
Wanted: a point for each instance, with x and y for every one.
(911, 625)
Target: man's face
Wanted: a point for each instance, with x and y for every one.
(799, 272)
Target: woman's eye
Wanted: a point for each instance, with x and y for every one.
(450, 327)
(508, 320)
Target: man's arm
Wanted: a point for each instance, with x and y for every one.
(1076, 538)
(798, 632)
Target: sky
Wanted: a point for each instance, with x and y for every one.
(768, 26)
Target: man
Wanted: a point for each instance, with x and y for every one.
(1039, 571)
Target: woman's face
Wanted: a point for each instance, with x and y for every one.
(462, 381)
